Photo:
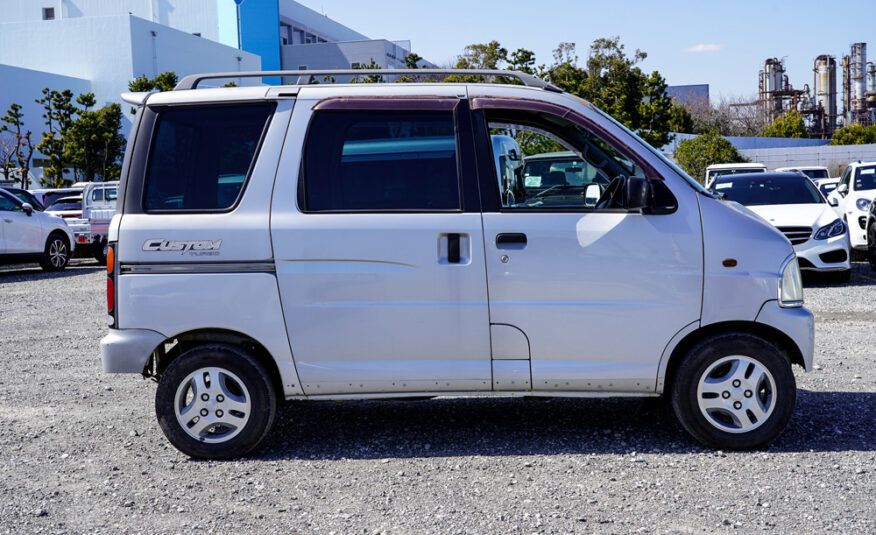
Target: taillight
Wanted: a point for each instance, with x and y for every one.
(111, 284)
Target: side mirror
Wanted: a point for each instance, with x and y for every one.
(638, 194)
(513, 156)
(28, 209)
(832, 201)
(591, 194)
(842, 189)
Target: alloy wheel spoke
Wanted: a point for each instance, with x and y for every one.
(201, 426)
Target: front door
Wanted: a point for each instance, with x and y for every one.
(21, 233)
(379, 254)
(597, 290)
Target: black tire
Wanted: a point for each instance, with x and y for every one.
(719, 427)
(100, 252)
(220, 441)
(56, 254)
(871, 246)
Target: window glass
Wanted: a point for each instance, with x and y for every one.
(111, 194)
(381, 160)
(97, 195)
(8, 204)
(556, 171)
(865, 178)
(194, 152)
(769, 190)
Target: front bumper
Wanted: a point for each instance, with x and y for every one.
(857, 222)
(797, 323)
(128, 350)
(831, 254)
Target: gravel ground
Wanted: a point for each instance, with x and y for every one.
(81, 452)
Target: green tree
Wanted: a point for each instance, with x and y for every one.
(95, 143)
(854, 134)
(681, 120)
(612, 81)
(789, 124)
(22, 142)
(165, 81)
(412, 60)
(59, 115)
(371, 78)
(696, 154)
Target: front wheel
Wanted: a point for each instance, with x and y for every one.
(215, 402)
(734, 391)
(56, 255)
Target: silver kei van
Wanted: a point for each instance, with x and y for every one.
(352, 241)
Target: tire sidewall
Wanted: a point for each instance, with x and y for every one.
(698, 360)
(46, 261)
(263, 401)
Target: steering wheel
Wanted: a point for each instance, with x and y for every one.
(607, 199)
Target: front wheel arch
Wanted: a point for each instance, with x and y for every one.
(772, 335)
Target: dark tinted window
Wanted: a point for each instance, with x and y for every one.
(9, 205)
(26, 196)
(64, 205)
(195, 149)
(865, 178)
(769, 190)
(381, 160)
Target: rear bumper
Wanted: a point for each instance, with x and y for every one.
(128, 350)
(797, 323)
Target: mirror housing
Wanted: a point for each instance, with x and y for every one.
(28, 209)
(591, 194)
(842, 189)
(832, 201)
(651, 197)
(638, 194)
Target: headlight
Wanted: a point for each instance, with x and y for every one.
(862, 204)
(791, 284)
(829, 231)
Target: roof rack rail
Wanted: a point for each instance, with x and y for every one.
(306, 77)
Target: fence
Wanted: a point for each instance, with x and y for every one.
(834, 157)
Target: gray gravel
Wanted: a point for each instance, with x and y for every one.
(81, 452)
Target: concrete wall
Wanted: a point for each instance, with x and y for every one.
(342, 55)
(834, 157)
(315, 22)
(190, 16)
(24, 86)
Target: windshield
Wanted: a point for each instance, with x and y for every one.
(738, 171)
(575, 172)
(865, 178)
(65, 204)
(816, 174)
(768, 190)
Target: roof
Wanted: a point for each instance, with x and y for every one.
(759, 176)
(748, 165)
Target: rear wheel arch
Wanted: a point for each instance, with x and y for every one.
(770, 334)
(178, 344)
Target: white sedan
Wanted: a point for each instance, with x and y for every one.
(793, 204)
(28, 235)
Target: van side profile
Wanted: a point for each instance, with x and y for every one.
(352, 241)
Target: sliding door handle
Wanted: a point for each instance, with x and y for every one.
(511, 240)
(453, 256)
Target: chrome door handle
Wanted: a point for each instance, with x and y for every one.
(7, 220)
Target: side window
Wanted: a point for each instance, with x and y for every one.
(97, 195)
(380, 161)
(847, 175)
(562, 167)
(111, 194)
(8, 205)
(200, 156)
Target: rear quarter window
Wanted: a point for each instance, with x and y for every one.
(200, 157)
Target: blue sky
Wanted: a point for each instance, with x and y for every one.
(723, 44)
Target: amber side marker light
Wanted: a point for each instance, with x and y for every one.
(729, 262)
(111, 258)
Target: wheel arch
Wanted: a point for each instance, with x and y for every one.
(770, 334)
(176, 345)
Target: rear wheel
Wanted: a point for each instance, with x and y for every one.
(56, 254)
(100, 251)
(871, 246)
(215, 402)
(734, 391)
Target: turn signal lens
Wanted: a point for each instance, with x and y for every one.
(110, 259)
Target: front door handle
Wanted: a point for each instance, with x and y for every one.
(511, 240)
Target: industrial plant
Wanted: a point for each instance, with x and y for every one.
(818, 103)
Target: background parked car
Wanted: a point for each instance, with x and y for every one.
(721, 169)
(815, 172)
(827, 185)
(792, 203)
(28, 235)
(853, 197)
(26, 196)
